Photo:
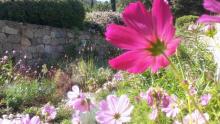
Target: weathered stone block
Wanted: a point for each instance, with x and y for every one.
(41, 32)
(58, 33)
(46, 39)
(3, 38)
(9, 30)
(28, 33)
(13, 39)
(57, 41)
(25, 42)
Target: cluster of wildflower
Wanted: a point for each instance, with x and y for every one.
(78, 101)
(21, 67)
(113, 84)
(194, 118)
(159, 101)
(47, 111)
(23, 120)
(112, 110)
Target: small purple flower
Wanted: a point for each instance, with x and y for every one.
(49, 111)
(166, 100)
(148, 96)
(192, 90)
(205, 99)
(118, 76)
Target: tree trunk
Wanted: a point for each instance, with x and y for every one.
(113, 4)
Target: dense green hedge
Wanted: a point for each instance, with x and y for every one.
(65, 13)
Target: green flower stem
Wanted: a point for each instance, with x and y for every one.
(180, 79)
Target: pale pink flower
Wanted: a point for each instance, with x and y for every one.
(49, 111)
(193, 27)
(27, 120)
(75, 93)
(213, 6)
(172, 109)
(192, 90)
(115, 110)
(195, 118)
(205, 99)
(148, 37)
(148, 96)
(4, 58)
(153, 115)
(118, 76)
(81, 104)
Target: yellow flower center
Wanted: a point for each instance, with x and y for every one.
(157, 48)
(117, 116)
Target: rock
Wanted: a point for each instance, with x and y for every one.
(9, 30)
(58, 34)
(70, 35)
(41, 32)
(13, 39)
(25, 42)
(28, 33)
(2, 38)
(46, 39)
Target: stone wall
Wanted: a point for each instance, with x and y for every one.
(38, 43)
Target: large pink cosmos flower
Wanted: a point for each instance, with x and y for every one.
(213, 6)
(115, 110)
(148, 37)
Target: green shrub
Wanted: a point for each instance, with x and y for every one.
(102, 6)
(187, 7)
(64, 114)
(97, 21)
(66, 121)
(32, 111)
(185, 21)
(28, 93)
(88, 75)
(66, 13)
(123, 3)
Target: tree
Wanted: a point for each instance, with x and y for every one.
(113, 4)
(187, 7)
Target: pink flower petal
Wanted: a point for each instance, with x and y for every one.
(35, 120)
(212, 5)
(162, 17)
(172, 46)
(159, 62)
(208, 19)
(125, 37)
(123, 103)
(132, 61)
(103, 105)
(137, 17)
(112, 103)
